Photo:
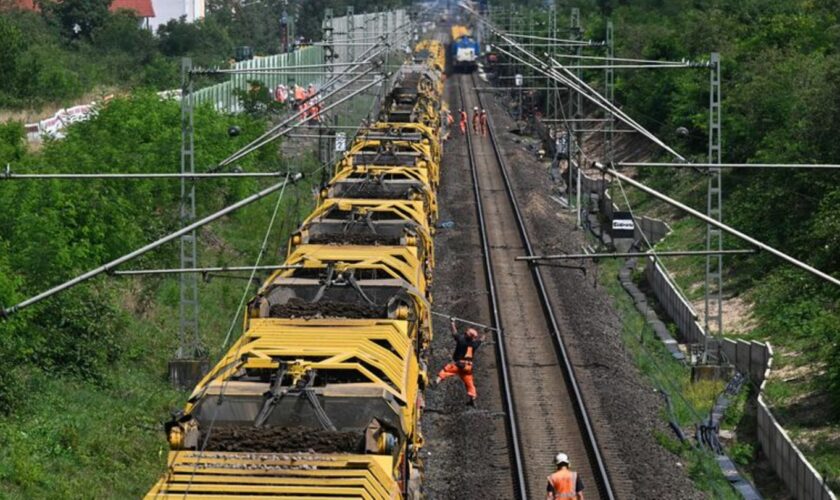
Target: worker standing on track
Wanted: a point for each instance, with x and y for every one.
(564, 483)
(476, 120)
(482, 121)
(463, 122)
(466, 345)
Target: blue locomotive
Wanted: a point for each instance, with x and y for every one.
(463, 50)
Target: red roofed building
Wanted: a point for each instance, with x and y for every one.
(143, 8)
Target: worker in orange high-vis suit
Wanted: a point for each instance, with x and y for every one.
(463, 123)
(466, 345)
(476, 120)
(564, 483)
(482, 122)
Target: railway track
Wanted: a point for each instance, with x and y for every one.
(546, 413)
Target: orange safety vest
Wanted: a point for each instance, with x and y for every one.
(564, 483)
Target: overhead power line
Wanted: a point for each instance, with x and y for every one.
(571, 80)
(595, 97)
(278, 70)
(8, 175)
(622, 255)
(272, 134)
(816, 166)
(723, 227)
(142, 272)
(282, 131)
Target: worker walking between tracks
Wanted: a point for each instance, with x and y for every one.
(476, 120)
(482, 122)
(466, 345)
(564, 483)
(463, 122)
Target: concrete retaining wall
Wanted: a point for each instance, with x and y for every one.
(754, 359)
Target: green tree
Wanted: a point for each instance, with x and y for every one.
(77, 18)
(11, 49)
(53, 230)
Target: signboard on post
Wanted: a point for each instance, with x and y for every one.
(340, 142)
(623, 226)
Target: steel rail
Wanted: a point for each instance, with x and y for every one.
(580, 407)
(520, 482)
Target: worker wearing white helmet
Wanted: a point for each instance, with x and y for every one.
(476, 120)
(564, 483)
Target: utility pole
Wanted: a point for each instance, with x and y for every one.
(329, 57)
(350, 23)
(609, 79)
(576, 113)
(551, 95)
(351, 30)
(186, 369)
(387, 32)
(714, 209)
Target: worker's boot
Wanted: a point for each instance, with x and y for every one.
(471, 402)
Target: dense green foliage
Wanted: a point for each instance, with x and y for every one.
(44, 64)
(84, 386)
(781, 80)
(54, 230)
(75, 46)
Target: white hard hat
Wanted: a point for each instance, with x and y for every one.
(475, 108)
(561, 458)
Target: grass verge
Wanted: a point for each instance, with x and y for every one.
(103, 438)
(690, 402)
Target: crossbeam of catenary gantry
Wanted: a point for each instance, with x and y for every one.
(804, 166)
(621, 255)
(9, 175)
(201, 270)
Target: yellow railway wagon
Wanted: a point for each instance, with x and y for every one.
(384, 182)
(322, 395)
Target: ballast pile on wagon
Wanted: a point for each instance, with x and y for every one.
(322, 395)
